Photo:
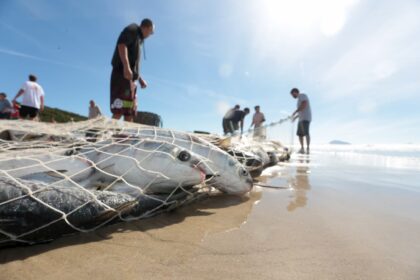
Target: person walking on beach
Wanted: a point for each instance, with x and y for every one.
(227, 123)
(125, 69)
(94, 110)
(257, 122)
(5, 106)
(303, 112)
(32, 100)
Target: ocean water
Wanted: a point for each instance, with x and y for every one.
(371, 181)
(383, 168)
(387, 156)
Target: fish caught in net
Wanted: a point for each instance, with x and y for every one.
(58, 179)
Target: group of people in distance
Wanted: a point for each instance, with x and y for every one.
(234, 118)
(32, 102)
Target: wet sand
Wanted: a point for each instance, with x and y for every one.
(329, 219)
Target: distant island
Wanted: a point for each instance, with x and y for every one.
(339, 142)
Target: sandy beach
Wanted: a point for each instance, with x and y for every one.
(333, 216)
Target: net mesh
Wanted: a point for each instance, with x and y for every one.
(255, 148)
(62, 178)
(57, 179)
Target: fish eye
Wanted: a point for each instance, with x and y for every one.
(243, 172)
(184, 156)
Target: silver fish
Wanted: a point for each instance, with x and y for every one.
(33, 212)
(143, 164)
(47, 167)
(231, 177)
(36, 212)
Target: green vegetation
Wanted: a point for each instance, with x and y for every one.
(60, 116)
(49, 114)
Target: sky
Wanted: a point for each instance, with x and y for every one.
(358, 61)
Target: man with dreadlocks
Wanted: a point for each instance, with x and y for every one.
(125, 69)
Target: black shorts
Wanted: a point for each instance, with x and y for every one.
(303, 128)
(5, 116)
(122, 97)
(229, 126)
(25, 111)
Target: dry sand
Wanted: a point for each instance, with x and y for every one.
(329, 220)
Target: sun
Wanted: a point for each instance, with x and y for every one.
(301, 17)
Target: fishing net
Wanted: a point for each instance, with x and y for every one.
(255, 148)
(57, 179)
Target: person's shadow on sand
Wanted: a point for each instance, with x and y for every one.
(203, 207)
(300, 185)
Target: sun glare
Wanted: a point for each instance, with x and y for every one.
(299, 17)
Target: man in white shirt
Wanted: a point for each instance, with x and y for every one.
(94, 110)
(304, 113)
(257, 122)
(32, 100)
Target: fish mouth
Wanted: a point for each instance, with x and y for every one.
(205, 173)
(238, 188)
(204, 177)
(251, 184)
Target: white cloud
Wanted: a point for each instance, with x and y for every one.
(375, 56)
(332, 23)
(24, 55)
(225, 70)
(384, 69)
(334, 16)
(284, 31)
(28, 56)
(28, 38)
(195, 91)
(367, 106)
(222, 107)
(203, 48)
(40, 9)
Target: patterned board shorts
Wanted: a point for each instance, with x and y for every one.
(122, 97)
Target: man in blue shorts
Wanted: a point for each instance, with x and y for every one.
(303, 111)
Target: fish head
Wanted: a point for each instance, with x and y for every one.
(172, 164)
(273, 158)
(188, 159)
(232, 178)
